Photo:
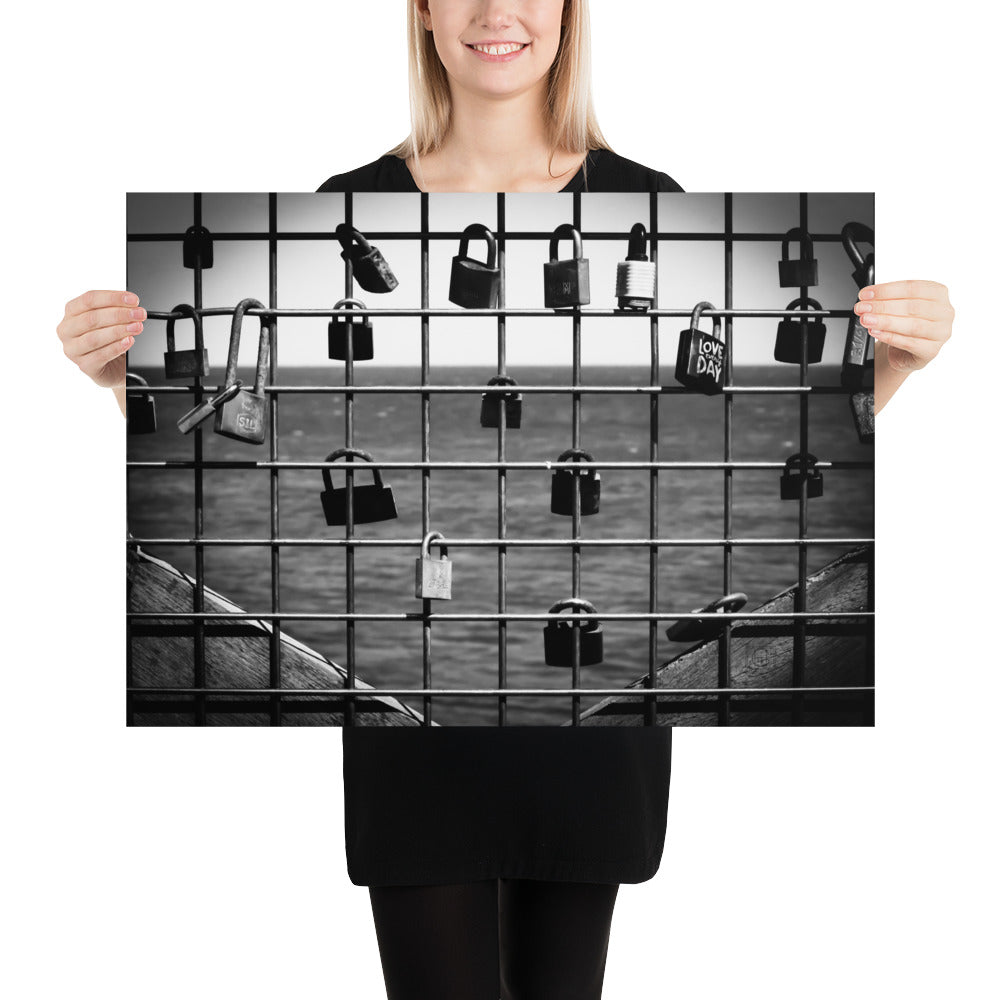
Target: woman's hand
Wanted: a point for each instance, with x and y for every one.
(911, 320)
(96, 331)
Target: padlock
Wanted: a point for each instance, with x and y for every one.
(475, 284)
(858, 343)
(799, 467)
(141, 409)
(788, 343)
(700, 629)
(567, 282)
(851, 235)
(371, 269)
(204, 410)
(185, 364)
(197, 248)
(372, 502)
(564, 482)
(359, 330)
(863, 411)
(489, 411)
(636, 285)
(244, 417)
(804, 271)
(558, 636)
(701, 357)
(433, 575)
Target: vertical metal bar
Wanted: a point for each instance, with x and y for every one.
(725, 648)
(577, 223)
(350, 707)
(649, 708)
(799, 638)
(502, 457)
(201, 717)
(272, 291)
(425, 428)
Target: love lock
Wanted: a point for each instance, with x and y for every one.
(185, 364)
(558, 636)
(804, 271)
(475, 284)
(636, 284)
(197, 248)
(243, 417)
(564, 485)
(567, 282)
(348, 329)
(140, 409)
(863, 411)
(489, 411)
(788, 343)
(699, 629)
(701, 357)
(801, 468)
(371, 269)
(373, 502)
(856, 348)
(433, 575)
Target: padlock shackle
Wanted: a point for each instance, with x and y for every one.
(347, 236)
(581, 605)
(805, 243)
(478, 230)
(575, 455)
(425, 545)
(802, 302)
(346, 453)
(347, 303)
(637, 243)
(186, 312)
(803, 459)
(263, 343)
(136, 379)
(501, 380)
(851, 235)
(716, 320)
(565, 231)
(729, 604)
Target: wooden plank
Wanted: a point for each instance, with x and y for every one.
(761, 656)
(237, 656)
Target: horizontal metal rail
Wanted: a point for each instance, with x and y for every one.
(491, 543)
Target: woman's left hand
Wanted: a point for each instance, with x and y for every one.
(911, 318)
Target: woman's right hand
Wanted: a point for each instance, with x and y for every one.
(96, 331)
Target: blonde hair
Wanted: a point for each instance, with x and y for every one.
(572, 123)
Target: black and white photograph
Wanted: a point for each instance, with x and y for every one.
(726, 449)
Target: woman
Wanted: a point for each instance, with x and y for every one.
(493, 856)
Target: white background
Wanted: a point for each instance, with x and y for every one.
(210, 862)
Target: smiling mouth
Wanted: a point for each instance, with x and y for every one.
(504, 49)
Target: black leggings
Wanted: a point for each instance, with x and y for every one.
(515, 939)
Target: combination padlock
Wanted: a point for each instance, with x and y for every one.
(701, 357)
(489, 411)
(788, 343)
(204, 410)
(801, 468)
(185, 364)
(197, 248)
(700, 629)
(858, 343)
(636, 284)
(567, 282)
(140, 409)
(558, 636)
(371, 269)
(475, 284)
(801, 272)
(863, 411)
(372, 502)
(851, 235)
(565, 481)
(356, 330)
(244, 417)
(433, 575)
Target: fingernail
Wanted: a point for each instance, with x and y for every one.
(128, 342)
(133, 327)
(867, 293)
(862, 307)
(875, 334)
(130, 299)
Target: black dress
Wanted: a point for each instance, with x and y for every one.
(432, 805)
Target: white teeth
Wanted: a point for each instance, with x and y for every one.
(499, 50)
